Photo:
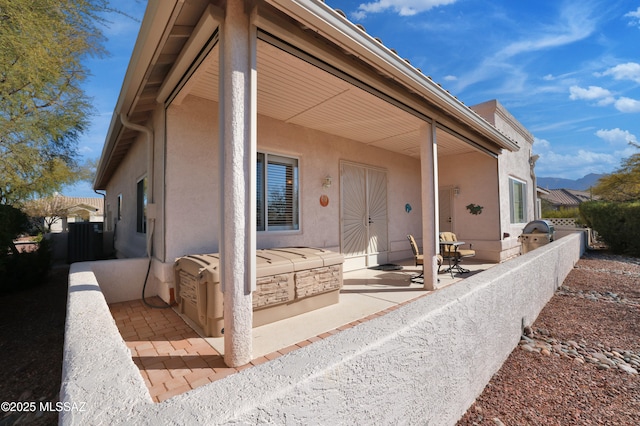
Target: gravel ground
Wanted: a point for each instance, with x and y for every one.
(578, 364)
(575, 366)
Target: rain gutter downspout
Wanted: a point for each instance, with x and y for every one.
(532, 165)
(151, 214)
(151, 210)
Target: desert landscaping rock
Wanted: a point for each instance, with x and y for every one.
(591, 329)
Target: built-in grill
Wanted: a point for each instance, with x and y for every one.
(536, 234)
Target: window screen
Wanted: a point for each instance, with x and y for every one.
(277, 193)
(517, 191)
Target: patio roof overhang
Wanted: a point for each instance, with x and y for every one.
(369, 94)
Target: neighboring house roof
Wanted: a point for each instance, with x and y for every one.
(173, 34)
(95, 205)
(541, 191)
(567, 197)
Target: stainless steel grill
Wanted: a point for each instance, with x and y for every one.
(536, 234)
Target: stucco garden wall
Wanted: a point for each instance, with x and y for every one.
(424, 363)
(127, 283)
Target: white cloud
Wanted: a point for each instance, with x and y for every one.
(541, 144)
(604, 97)
(593, 93)
(574, 165)
(627, 105)
(634, 17)
(401, 7)
(450, 78)
(358, 15)
(574, 24)
(628, 71)
(616, 136)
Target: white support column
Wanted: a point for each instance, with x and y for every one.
(237, 178)
(429, 188)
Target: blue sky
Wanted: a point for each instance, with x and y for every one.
(568, 70)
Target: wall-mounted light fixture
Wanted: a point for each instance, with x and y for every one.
(456, 191)
(326, 182)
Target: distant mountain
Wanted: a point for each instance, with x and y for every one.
(581, 184)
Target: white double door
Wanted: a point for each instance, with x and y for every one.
(363, 214)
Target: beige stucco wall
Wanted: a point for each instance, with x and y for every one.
(476, 177)
(127, 241)
(515, 165)
(511, 165)
(192, 187)
(320, 155)
(187, 190)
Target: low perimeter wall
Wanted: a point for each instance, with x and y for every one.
(424, 363)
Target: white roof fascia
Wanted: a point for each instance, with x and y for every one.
(209, 21)
(157, 16)
(339, 30)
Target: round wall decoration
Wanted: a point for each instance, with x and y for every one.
(324, 200)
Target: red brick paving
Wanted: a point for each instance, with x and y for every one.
(173, 358)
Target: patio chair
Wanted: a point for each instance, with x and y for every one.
(419, 258)
(450, 248)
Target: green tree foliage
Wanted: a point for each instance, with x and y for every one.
(43, 109)
(572, 212)
(12, 223)
(624, 184)
(617, 223)
(48, 209)
(19, 270)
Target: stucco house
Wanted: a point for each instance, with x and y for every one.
(81, 209)
(245, 125)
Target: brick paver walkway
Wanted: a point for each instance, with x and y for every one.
(172, 357)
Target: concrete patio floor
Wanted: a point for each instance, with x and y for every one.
(174, 357)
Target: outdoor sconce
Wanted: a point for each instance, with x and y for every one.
(326, 182)
(456, 191)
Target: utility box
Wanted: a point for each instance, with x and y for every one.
(289, 281)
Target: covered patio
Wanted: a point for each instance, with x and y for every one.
(174, 358)
(234, 124)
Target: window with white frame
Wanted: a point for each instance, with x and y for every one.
(518, 200)
(141, 206)
(277, 193)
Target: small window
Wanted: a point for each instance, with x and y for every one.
(141, 206)
(119, 208)
(277, 193)
(518, 200)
